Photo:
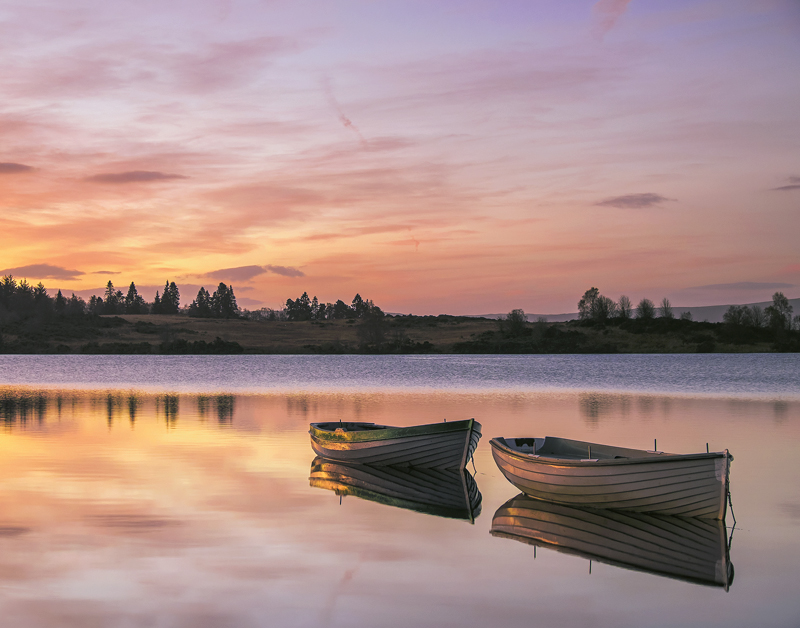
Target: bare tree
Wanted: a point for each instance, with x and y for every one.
(603, 308)
(646, 310)
(756, 317)
(665, 310)
(780, 312)
(624, 308)
(586, 304)
(736, 315)
(686, 316)
(514, 323)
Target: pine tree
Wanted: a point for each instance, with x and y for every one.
(60, 303)
(174, 298)
(223, 302)
(359, 307)
(170, 299)
(134, 302)
(201, 306)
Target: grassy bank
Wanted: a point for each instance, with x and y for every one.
(154, 334)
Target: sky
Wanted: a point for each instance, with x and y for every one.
(444, 156)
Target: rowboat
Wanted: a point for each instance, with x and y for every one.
(449, 493)
(589, 475)
(435, 446)
(685, 548)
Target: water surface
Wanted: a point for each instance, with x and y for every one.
(168, 498)
(770, 375)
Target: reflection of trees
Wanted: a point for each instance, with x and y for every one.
(300, 404)
(20, 406)
(169, 404)
(225, 409)
(593, 406)
(780, 410)
(111, 404)
(202, 406)
(223, 404)
(645, 405)
(133, 406)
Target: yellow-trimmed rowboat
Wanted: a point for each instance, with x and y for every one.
(446, 445)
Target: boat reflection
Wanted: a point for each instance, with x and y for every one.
(690, 549)
(449, 493)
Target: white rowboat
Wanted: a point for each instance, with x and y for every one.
(590, 475)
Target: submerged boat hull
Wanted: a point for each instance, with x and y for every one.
(691, 549)
(693, 485)
(434, 446)
(449, 493)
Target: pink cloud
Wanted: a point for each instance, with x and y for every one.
(13, 168)
(607, 13)
(134, 176)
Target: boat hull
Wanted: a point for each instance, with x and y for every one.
(435, 446)
(450, 493)
(691, 549)
(688, 486)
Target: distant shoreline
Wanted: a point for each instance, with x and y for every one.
(183, 335)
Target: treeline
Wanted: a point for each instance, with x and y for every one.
(597, 307)
(305, 309)
(608, 326)
(19, 300)
(593, 306)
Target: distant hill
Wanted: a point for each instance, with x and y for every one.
(710, 313)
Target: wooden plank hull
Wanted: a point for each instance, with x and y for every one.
(690, 549)
(449, 493)
(435, 446)
(683, 485)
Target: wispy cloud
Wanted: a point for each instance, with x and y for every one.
(744, 285)
(634, 201)
(239, 273)
(794, 184)
(245, 273)
(286, 271)
(346, 122)
(12, 168)
(606, 13)
(42, 271)
(134, 176)
(106, 272)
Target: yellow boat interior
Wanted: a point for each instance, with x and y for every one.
(345, 426)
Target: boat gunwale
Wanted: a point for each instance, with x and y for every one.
(655, 458)
(465, 425)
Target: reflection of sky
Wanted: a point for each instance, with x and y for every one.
(186, 520)
(419, 153)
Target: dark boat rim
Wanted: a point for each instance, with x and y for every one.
(657, 458)
(391, 432)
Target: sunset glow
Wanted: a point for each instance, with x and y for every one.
(460, 157)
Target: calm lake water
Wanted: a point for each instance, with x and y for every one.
(175, 491)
